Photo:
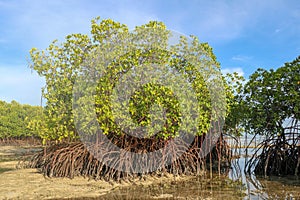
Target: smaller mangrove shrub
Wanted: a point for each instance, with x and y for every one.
(271, 103)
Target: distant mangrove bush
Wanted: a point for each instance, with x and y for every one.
(15, 118)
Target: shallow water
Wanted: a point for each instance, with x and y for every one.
(233, 185)
(197, 188)
(266, 188)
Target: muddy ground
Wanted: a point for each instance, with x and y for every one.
(18, 183)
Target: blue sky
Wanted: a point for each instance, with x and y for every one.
(245, 35)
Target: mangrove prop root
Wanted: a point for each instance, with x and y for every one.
(280, 156)
(73, 159)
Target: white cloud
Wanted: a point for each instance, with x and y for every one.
(241, 58)
(220, 21)
(35, 23)
(38, 23)
(20, 84)
(239, 70)
(223, 21)
(277, 30)
(214, 21)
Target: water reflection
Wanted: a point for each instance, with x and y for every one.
(263, 188)
(233, 184)
(198, 188)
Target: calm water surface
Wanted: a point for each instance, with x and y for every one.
(232, 185)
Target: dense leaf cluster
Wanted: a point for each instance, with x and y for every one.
(271, 99)
(14, 118)
(107, 50)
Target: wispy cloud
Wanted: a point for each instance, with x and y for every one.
(226, 25)
(241, 58)
(214, 21)
(239, 70)
(42, 22)
(37, 24)
(222, 21)
(18, 83)
(277, 30)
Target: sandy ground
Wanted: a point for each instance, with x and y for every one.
(30, 184)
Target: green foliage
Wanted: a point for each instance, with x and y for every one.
(106, 57)
(271, 97)
(59, 65)
(152, 93)
(142, 100)
(14, 119)
(233, 84)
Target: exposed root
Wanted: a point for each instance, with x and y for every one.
(280, 155)
(101, 160)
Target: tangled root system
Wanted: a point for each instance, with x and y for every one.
(277, 156)
(100, 160)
